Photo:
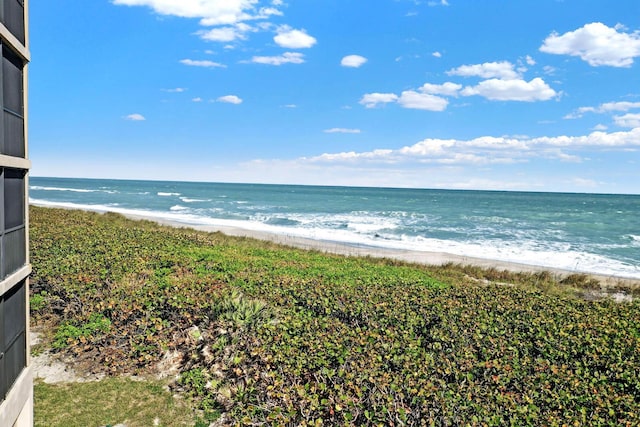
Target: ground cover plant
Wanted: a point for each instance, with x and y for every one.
(260, 334)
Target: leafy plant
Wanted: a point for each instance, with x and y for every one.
(272, 335)
(69, 333)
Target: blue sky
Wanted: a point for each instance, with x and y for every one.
(540, 95)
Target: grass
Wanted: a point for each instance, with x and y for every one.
(271, 335)
(109, 402)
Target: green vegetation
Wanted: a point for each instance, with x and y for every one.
(68, 333)
(269, 335)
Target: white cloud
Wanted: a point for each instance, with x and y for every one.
(512, 90)
(487, 150)
(596, 44)
(210, 12)
(229, 15)
(437, 54)
(270, 11)
(353, 61)
(447, 89)
(204, 64)
(175, 90)
(606, 107)
(293, 39)
(628, 120)
(230, 99)
(600, 127)
(341, 130)
(285, 58)
(438, 3)
(529, 60)
(501, 70)
(371, 100)
(432, 97)
(618, 106)
(226, 34)
(290, 106)
(422, 101)
(198, 99)
(135, 117)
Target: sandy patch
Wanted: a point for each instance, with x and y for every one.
(51, 369)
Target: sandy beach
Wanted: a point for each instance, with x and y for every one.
(418, 257)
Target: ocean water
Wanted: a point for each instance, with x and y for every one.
(591, 233)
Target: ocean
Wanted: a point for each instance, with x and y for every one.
(591, 233)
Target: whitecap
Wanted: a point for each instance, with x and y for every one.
(74, 190)
(190, 200)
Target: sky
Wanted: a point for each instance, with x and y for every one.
(531, 95)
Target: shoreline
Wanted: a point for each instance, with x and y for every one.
(411, 256)
(406, 255)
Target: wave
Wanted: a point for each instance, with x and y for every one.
(349, 230)
(635, 240)
(190, 200)
(74, 190)
(163, 194)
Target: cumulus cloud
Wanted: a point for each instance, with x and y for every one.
(285, 58)
(353, 61)
(228, 16)
(617, 106)
(597, 44)
(425, 98)
(628, 120)
(204, 63)
(198, 99)
(135, 117)
(210, 13)
(447, 89)
(501, 70)
(372, 100)
(504, 85)
(293, 39)
(175, 90)
(226, 34)
(341, 130)
(437, 54)
(607, 107)
(488, 149)
(512, 90)
(230, 99)
(269, 11)
(422, 101)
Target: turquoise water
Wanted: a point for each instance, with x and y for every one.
(580, 232)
